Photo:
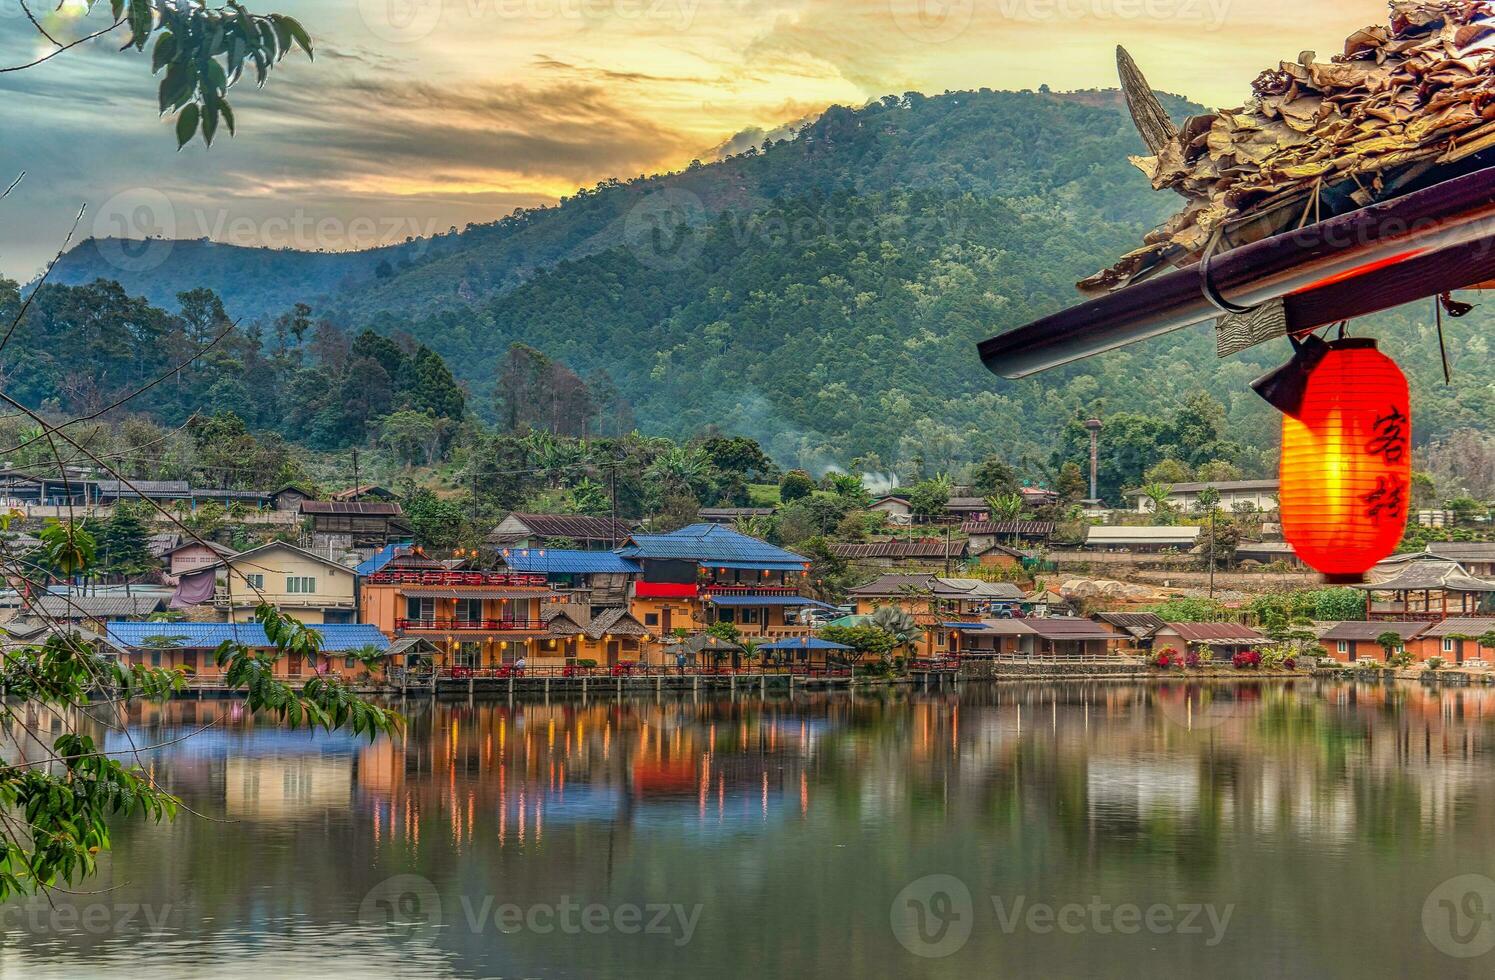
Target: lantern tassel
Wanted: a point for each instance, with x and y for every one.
(1284, 387)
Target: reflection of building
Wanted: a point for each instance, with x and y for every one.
(285, 787)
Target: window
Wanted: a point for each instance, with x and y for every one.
(155, 658)
(651, 619)
(300, 584)
(419, 608)
(255, 581)
(748, 616)
(1448, 644)
(1344, 646)
(350, 662)
(470, 610)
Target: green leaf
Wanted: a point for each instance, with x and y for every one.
(299, 34)
(186, 125)
(209, 122)
(164, 51)
(142, 21)
(228, 116)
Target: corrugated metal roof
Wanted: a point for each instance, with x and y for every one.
(766, 600)
(96, 606)
(1069, 629)
(568, 562)
(1469, 626)
(1142, 535)
(361, 508)
(1026, 529)
(708, 544)
(898, 549)
(578, 527)
(336, 637)
(1433, 574)
(1359, 631)
(803, 643)
(1215, 633)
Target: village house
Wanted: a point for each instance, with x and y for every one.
(1260, 495)
(1355, 641)
(20, 488)
(896, 509)
(478, 619)
(194, 646)
(1013, 534)
(943, 608)
(367, 491)
(609, 638)
(299, 583)
(1268, 553)
(1456, 640)
(193, 555)
(598, 580)
(704, 574)
(1136, 630)
(1142, 539)
(1476, 557)
(575, 530)
(1426, 588)
(344, 526)
(1225, 640)
(1041, 639)
(935, 554)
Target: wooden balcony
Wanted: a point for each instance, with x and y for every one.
(469, 626)
(456, 579)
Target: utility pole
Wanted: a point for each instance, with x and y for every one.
(613, 482)
(356, 484)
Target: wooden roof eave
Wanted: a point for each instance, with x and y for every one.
(1343, 266)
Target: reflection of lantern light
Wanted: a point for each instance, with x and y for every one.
(1347, 462)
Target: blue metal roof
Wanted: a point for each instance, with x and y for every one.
(197, 636)
(336, 637)
(804, 643)
(564, 562)
(382, 557)
(766, 600)
(968, 627)
(712, 545)
(757, 566)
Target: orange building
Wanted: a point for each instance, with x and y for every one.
(477, 619)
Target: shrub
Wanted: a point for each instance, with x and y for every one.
(1246, 660)
(1291, 663)
(1192, 660)
(1435, 663)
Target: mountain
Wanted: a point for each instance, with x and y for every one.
(1005, 144)
(825, 294)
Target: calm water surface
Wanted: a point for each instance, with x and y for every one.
(1318, 829)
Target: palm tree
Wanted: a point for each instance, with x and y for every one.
(1159, 493)
(897, 623)
(1008, 507)
(757, 526)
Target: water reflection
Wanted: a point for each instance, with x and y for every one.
(1322, 812)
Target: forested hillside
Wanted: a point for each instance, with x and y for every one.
(823, 295)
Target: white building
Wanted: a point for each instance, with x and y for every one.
(1184, 497)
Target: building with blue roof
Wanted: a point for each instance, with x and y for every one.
(706, 573)
(194, 646)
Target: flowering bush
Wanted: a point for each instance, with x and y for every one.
(1164, 659)
(1192, 659)
(1246, 660)
(1291, 663)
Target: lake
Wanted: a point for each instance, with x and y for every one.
(1311, 828)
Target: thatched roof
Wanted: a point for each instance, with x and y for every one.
(1323, 137)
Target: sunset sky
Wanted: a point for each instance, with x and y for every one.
(421, 114)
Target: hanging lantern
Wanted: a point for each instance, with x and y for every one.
(1347, 461)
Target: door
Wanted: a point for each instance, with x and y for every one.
(664, 621)
(614, 649)
(293, 664)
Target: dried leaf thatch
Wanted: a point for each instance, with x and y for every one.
(1401, 102)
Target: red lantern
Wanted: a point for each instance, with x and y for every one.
(1347, 462)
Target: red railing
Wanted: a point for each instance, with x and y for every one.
(637, 670)
(763, 590)
(470, 625)
(429, 576)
